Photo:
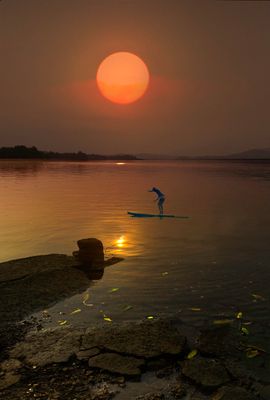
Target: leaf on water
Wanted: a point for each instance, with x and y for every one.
(239, 315)
(165, 273)
(244, 330)
(251, 353)
(126, 308)
(85, 298)
(76, 311)
(195, 309)
(192, 354)
(106, 318)
(150, 317)
(115, 289)
(247, 323)
(222, 321)
(62, 322)
(258, 297)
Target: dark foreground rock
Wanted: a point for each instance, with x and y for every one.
(101, 362)
(208, 373)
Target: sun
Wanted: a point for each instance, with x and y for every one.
(122, 77)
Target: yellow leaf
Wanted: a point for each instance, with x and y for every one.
(245, 330)
(115, 289)
(195, 309)
(192, 354)
(108, 319)
(222, 321)
(62, 322)
(251, 353)
(239, 315)
(165, 273)
(150, 317)
(76, 311)
(258, 297)
(85, 298)
(126, 308)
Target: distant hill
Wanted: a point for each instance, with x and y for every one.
(23, 152)
(152, 156)
(253, 154)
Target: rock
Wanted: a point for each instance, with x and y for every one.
(219, 341)
(147, 339)
(116, 363)
(90, 252)
(86, 354)
(233, 393)
(102, 393)
(151, 396)
(52, 346)
(10, 365)
(206, 372)
(263, 391)
(8, 380)
(177, 391)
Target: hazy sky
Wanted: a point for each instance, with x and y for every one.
(209, 64)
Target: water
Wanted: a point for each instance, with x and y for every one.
(205, 268)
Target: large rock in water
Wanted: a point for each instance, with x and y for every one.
(90, 252)
(117, 363)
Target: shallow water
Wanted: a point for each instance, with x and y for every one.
(207, 267)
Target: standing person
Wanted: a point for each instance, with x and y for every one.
(160, 198)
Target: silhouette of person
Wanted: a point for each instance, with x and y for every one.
(160, 198)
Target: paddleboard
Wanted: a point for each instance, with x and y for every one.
(141, 215)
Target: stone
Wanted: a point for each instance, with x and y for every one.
(8, 380)
(206, 372)
(233, 393)
(263, 391)
(177, 391)
(86, 354)
(10, 365)
(146, 339)
(52, 346)
(151, 396)
(90, 252)
(116, 363)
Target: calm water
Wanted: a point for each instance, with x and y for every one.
(215, 262)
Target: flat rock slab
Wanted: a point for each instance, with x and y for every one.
(220, 341)
(233, 393)
(206, 372)
(48, 347)
(147, 339)
(117, 363)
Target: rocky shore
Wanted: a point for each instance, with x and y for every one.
(151, 359)
(119, 360)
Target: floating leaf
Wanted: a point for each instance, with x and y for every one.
(195, 309)
(239, 315)
(85, 298)
(76, 311)
(106, 318)
(192, 354)
(150, 317)
(115, 289)
(126, 308)
(244, 330)
(165, 273)
(258, 297)
(247, 323)
(251, 353)
(62, 322)
(222, 321)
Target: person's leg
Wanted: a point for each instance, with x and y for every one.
(160, 206)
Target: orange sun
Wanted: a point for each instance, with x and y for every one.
(122, 77)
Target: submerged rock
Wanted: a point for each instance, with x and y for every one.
(206, 372)
(117, 363)
(220, 341)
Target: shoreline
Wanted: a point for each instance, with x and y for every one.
(145, 360)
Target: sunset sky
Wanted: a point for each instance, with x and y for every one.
(209, 65)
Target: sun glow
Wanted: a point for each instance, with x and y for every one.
(122, 78)
(120, 242)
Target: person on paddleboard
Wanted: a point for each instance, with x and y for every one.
(160, 198)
